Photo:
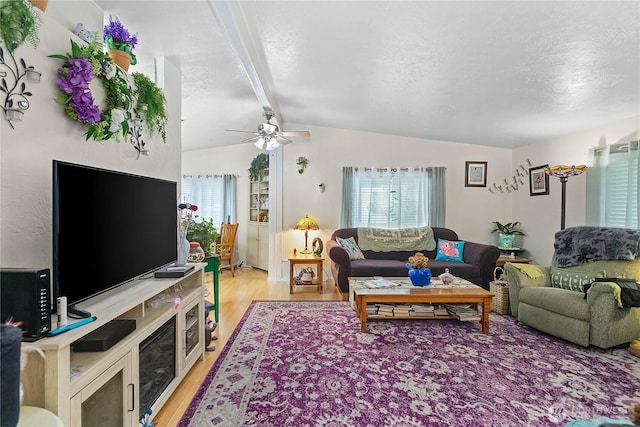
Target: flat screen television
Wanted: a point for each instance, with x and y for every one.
(108, 228)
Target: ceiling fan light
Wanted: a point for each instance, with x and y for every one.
(272, 144)
(259, 143)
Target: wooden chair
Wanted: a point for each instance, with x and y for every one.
(226, 245)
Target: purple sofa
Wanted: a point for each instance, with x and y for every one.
(479, 260)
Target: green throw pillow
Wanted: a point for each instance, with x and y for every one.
(572, 280)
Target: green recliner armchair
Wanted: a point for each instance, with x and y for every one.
(595, 320)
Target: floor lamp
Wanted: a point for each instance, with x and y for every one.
(564, 172)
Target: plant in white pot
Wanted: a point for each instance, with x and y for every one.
(507, 233)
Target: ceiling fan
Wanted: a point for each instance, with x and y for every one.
(269, 136)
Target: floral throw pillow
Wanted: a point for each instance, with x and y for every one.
(450, 250)
(572, 280)
(351, 247)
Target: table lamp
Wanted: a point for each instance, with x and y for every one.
(564, 172)
(306, 224)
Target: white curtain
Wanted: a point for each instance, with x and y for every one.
(392, 197)
(206, 192)
(613, 190)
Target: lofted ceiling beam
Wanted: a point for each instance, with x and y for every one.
(234, 25)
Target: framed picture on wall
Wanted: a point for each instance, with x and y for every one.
(475, 174)
(538, 181)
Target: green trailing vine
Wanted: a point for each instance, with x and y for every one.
(152, 105)
(19, 23)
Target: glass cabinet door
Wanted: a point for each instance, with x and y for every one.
(191, 330)
(108, 401)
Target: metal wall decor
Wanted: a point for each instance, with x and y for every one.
(514, 185)
(135, 137)
(13, 86)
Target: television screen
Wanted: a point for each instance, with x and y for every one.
(108, 228)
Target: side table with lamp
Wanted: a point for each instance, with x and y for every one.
(306, 256)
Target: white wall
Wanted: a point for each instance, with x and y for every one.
(540, 215)
(46, 133)
(470, 210)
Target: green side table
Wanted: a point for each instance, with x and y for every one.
(213, 264)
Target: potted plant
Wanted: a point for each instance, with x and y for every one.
(507, 233)
(259, 166)
(204, 232)
(120, 43)
(152, 105)
(302, 163)
(19, 22)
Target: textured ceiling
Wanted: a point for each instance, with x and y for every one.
(504, 73)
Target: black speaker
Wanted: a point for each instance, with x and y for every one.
(25, 297)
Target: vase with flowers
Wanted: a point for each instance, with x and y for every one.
(120, 43)
(419, 274)
(185, 217)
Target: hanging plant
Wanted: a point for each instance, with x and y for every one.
(259, 166)
(19, 22)
(151, 105)
(80, 67)
(302, 163)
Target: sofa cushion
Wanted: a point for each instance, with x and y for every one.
(378, 267)
(572, 280)
(449, 250)
(351, 247)
(561, 301)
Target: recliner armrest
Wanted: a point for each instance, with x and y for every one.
(518, 280)
(603, 288)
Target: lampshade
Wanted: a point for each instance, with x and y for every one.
(306, 224)
(564, 171)
(272, 144)
(267, 142)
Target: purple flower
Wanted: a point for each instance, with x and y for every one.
(74, 79)
(63, 83)
(119, 33)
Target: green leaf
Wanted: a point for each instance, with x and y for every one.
(63, 57)
(76, 52)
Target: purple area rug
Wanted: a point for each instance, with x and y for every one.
(306, 363)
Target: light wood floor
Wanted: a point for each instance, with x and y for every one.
(236, 293)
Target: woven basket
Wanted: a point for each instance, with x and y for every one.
(500, 302)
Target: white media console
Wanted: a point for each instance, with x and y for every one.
(103, 388)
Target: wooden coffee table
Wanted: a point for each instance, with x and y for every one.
(475, 295)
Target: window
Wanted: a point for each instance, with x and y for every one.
(392, 198)
(613, 196)
(206, 192)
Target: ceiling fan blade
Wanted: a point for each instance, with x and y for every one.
(242, 131)
(296, 133)
(285, 138)
(252, 139)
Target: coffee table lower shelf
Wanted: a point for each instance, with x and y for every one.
(478, 297)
